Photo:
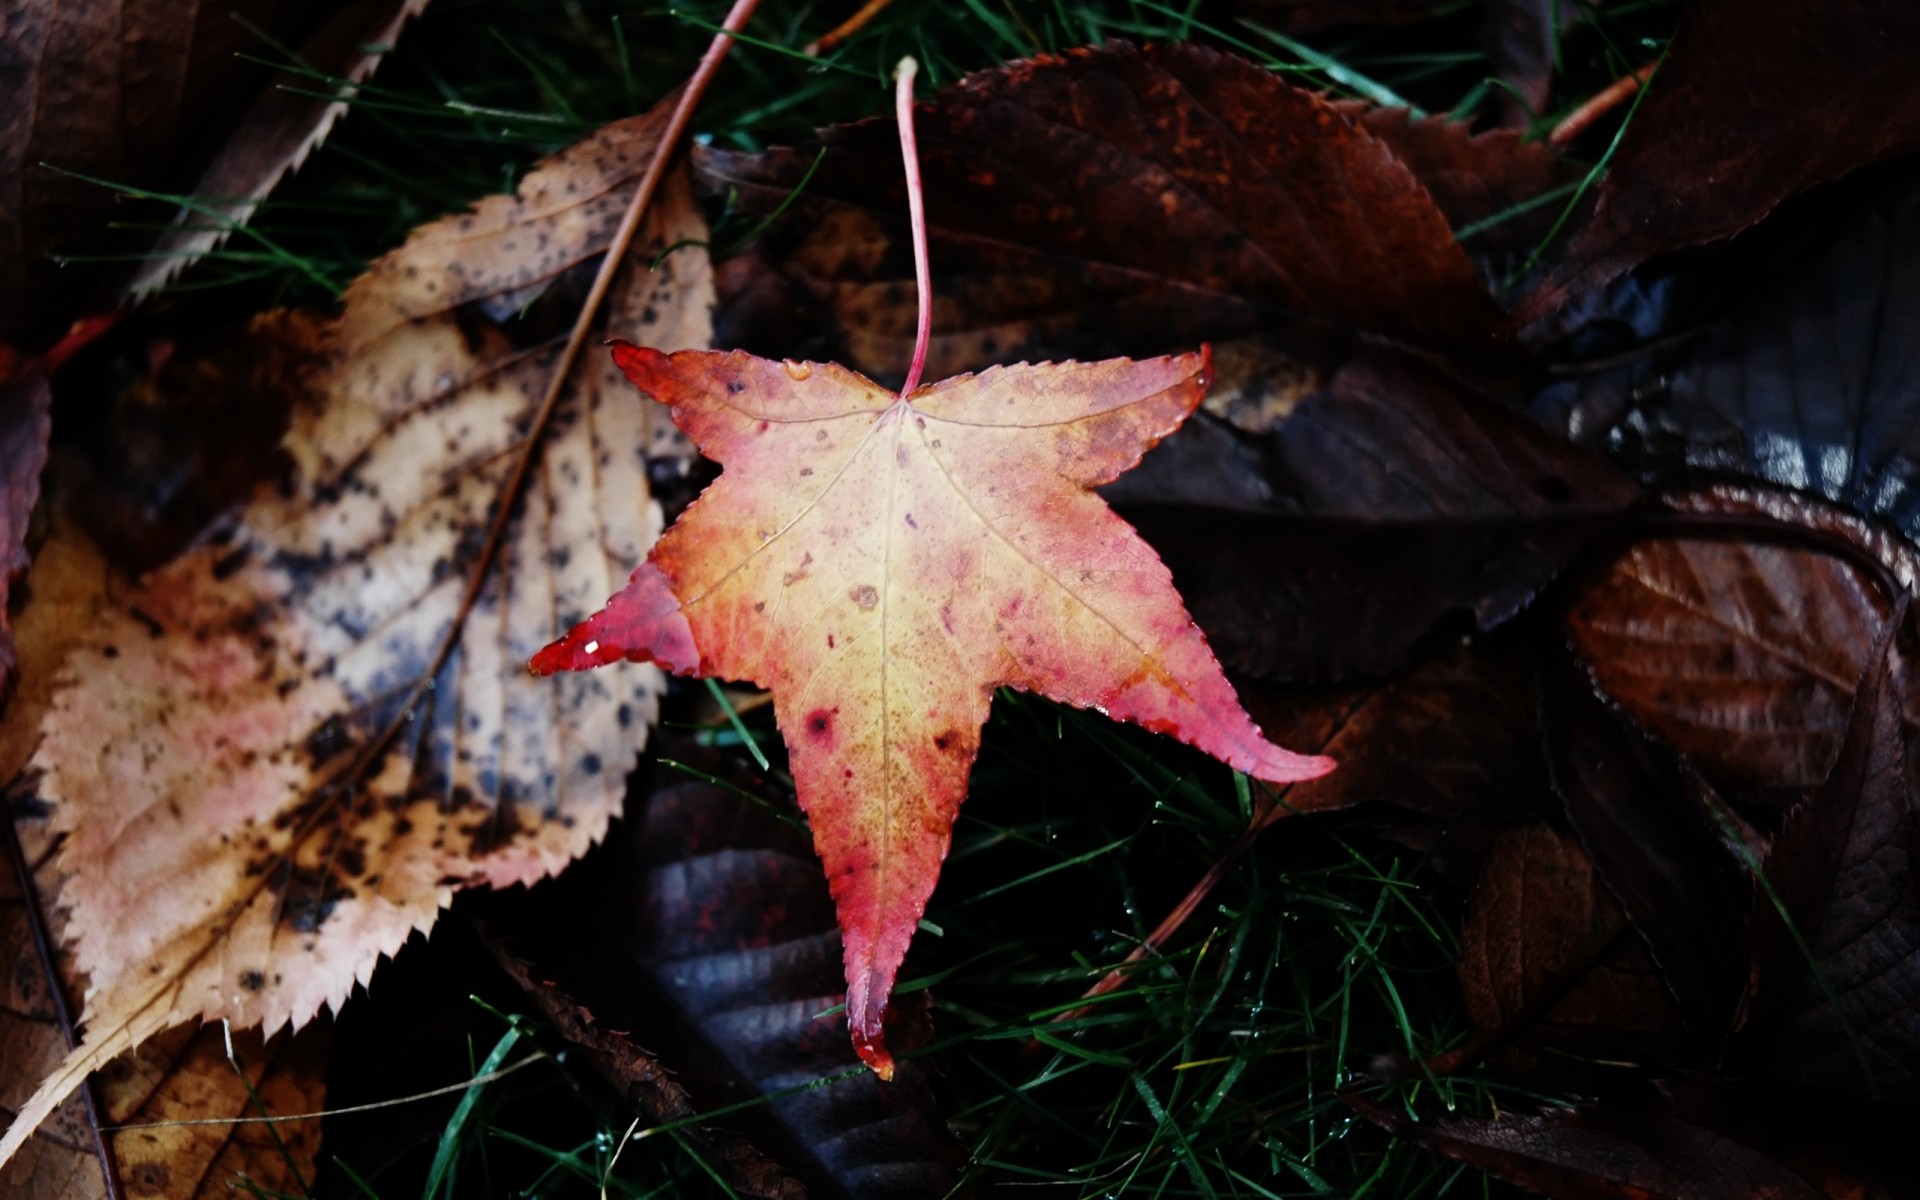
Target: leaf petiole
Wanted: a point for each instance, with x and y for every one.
(917, 212)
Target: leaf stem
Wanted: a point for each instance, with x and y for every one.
(917, 211)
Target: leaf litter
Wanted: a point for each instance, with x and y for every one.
(275, 693)
(1650, 592)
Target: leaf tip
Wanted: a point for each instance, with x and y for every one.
(871, 1045)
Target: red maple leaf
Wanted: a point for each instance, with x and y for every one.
(882, 562)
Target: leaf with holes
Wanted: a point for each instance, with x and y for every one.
(280, 755)
(881, 563)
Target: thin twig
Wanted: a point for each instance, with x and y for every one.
(847, 28)
(57, 996)
(1597, 106)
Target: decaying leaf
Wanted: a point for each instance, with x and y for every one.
(26, 403)
(1548, 958)
(181, 1076)
(269, 772)
(1388, 499)
(1811, 378)
(1742, 654)
(275, 136)
(1461, 723)
(728, 962)
(1843, 866)
(1650, 835)
(124, 91)
(184, 1075)
(881, 563)
(1496, 190)
(1117, 201)
(1710, 153)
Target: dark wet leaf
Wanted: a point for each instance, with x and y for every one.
(737, 935)
(1460, 725)
(1552, 973)
(1601, 1154)
(1385, 502)
(717, 952)
(1116, 201)
(1810, 379)
(138, 92)
(1757, 103)
(26, 402)
(1501, 195)
(1647, 830)
(1741, 654)
(273, 138)
(169, 424)
(1843, 866)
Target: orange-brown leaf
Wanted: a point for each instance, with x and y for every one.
(881, 564)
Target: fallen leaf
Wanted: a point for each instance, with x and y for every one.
(1709, 153)
(268, 776)
(737, 932)
(183, 1075)
(26, 420)
(1387, 500)
(1549, 962)
(1848, 1017)
(1647, 829)
(119, 90)
(1601, 1154)
(68, 1155)
(1461, 723)
(148, 465)
(1496, 190)
(279, 130)
(881, 563)
(1807, 379)
(1742, 654)
(1117, 201)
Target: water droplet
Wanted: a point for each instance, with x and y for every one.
(798, 370)
(592, 647)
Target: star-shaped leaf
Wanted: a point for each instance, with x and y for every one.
(882, 563)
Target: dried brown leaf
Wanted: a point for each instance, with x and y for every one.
(263, 789)
(26, 405)
(119, 90)
(1839, 1006)
(1492, 186)
(1118, 201)
(184, 1075)
(1649, 832)
(1547, 958)
(1756, 103)
(282, 127)
(1741, 654)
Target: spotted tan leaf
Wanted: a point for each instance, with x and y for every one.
(269, 772)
